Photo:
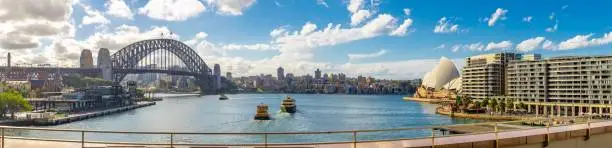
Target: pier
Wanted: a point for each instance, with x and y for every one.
(78, 117)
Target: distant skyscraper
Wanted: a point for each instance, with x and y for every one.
(217, 72)
(8, 60)
(280, 73)
(318, 74)
(86, 60)
(228, 75)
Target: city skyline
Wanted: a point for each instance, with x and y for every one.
(382, 39)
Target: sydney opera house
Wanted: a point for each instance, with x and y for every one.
(443, 82)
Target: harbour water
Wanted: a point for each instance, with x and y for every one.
(315, 113)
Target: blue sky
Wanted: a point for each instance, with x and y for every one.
(381, 40)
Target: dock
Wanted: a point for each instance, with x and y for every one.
(72, 118)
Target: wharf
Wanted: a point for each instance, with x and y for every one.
(78, 117)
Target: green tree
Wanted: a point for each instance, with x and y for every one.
(485, 103)
(477, 104)
(12, 102)
(458, 100)
(493, 105)
(509, 103)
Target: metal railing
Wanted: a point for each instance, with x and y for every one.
(436, 133)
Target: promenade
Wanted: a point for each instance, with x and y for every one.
(583, 133)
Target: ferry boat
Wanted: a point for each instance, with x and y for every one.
(223, 97)
(262, 112)
(288, 105)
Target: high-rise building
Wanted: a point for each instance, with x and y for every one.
(8, 60)
(86, 60)
(217, 73)
(317, 74)
(483, 75)
(562, 86)
(228, 75)
(280, 73)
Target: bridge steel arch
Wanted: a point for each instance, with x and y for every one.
(126, 60)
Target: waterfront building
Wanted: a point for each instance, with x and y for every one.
(280, 74)
(562, 86)
(443, 82)
(86, 60)
(317, 74)
(483, 75)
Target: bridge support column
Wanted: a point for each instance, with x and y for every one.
(107, 73)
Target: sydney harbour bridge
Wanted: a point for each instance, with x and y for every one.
(147, 56)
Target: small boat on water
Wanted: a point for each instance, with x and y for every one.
(223, 97)
(262, 112)
(288, 105)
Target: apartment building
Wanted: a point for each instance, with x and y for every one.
(563, 85)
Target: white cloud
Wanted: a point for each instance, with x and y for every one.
(172, 10)
(407, 11)
(499, 14)
(125, 35)
(25, 23)
(552, 16)
(581, 41)
(308, 28)
(355, 5)
(441, 46)
(260, 47)
(527, 19)
(118, 8)
(93, 16)
(402, 29)
(553, 28)
(359, 17)
(322, 3)
(231, 7)
(445, 26)
(479, 46)
(201, 35)
(278, 31)
(564, 7)
(499, 45)
(549, 45)
(529, 44)
(456, 48)
(334, 34)
(359, 56)
(475, 46)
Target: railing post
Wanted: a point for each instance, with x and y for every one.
(265, 139)
(496, 135)
(354, 139)
(171, 140)
(82, 139)
(433, 135)
(2, 137)
(547, 133)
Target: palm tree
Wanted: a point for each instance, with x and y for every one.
(493, 104)
(509, 103)
(485, 103)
